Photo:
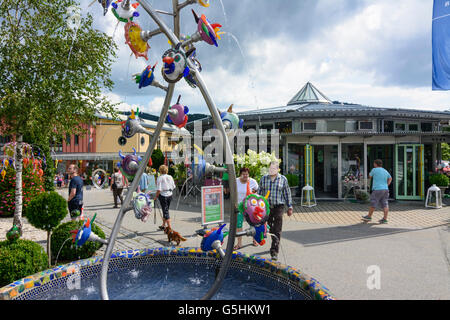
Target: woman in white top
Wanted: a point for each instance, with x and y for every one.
(164, 187)
(241, 184)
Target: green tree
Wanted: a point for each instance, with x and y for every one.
(157, 159)
(45, 212)
(445, 151)
(52, 81)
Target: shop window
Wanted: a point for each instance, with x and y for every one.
(284, 127)
(249, 127)
(336, 126)
(426, 126)
(365, 125)
(399, 126)
(413, 127)
(388, 126)
(268, 127)
(309, 126)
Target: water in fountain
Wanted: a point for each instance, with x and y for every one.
(115, 29)
(59, 251)
(224, 13)
(161, 282)
(71, 46)
(250, 77)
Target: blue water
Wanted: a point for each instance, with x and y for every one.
(174, 282)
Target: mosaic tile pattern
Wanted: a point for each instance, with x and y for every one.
(34, 285)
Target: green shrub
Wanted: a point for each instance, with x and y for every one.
(46, 210)
(157, 159)
(440, 180)
(292, 179)
(20, 259)
(69, 251)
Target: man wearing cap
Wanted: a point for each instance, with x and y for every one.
(279, 197)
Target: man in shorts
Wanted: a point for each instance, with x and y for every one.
(380, 190)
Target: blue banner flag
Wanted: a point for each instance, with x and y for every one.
(441, 45)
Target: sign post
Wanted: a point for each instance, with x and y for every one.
(212, 205)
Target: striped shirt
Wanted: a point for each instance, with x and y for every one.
(280, 193)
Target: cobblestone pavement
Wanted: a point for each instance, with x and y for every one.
(402, 214)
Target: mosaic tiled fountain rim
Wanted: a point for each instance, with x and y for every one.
(34, 285)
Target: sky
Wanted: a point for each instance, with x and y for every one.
(369, 52)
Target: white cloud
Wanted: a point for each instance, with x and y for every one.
(343, 61)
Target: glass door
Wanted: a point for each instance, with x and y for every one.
(409, 172)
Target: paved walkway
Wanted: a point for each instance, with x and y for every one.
(402, 214)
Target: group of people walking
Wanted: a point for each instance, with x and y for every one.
(273, 183)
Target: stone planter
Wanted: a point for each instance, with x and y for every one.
(294, 191)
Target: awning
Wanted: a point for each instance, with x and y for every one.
(86, 156)
(95, 156)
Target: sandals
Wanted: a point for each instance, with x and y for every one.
(237, 247)
(255, 244)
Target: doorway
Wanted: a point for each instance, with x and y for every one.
(386, 154)
(326, 171)
(409, 172)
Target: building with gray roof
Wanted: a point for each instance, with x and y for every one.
(332, 145)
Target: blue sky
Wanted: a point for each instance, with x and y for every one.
(375, 53)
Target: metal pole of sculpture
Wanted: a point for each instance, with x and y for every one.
(174, 39)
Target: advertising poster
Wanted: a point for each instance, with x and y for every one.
(212, 205)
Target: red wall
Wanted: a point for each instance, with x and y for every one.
(83, 142)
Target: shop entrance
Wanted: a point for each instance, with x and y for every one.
(325, 171)
(386, 154)
(316, 166)
(409, 172)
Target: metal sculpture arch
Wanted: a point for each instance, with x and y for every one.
(178, 63)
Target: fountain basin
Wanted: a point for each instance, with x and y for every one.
(170, 273)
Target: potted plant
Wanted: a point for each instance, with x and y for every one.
(362, 196)
(293, 182)
(440, 180)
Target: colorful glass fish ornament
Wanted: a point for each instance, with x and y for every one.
(203, 3)
(105, 4)
(208, 32)
(79, 237)
(175, 64)
(124, 11)
(134, 40)
(177, 114)
(231, 120)
(129, 164)
(14, 233)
